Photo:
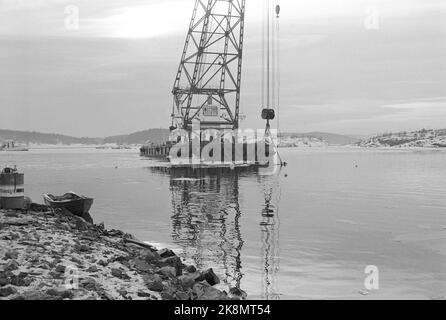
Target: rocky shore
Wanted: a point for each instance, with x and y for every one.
(56, 256)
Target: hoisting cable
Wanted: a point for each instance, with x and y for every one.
(277, 75)
(264, 11)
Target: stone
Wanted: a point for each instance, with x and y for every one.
(60, 268)
(140, 265)
(82, 248)
(167, 271)
(211, 277)
(149, 256)
(55, 274)
(11, 266)
(11, 254)
(211, 293)
(123, 292)
(107, 296)
(154, 283)
(168, 293)
(190, 269)
(237, 292)
(101, 226)
(172, 261)
(37, 296)
(20, 281)
(92, 269)
(11, 214)
(60, 292)
(7, 291)
(102, 263)
(118, 273)
(143, 294)
(180, 295)
(165, 253)
(187, 281)
(89, 284)
(3, 281)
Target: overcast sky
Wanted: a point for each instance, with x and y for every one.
(340, 70)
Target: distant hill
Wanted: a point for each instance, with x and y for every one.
(141, 137)
(423, 138)
(27, 137)
(329, 138)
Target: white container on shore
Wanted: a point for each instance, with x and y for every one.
(12, 189)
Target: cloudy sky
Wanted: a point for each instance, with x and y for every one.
(347, 66)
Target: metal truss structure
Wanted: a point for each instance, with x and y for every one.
(211, 66)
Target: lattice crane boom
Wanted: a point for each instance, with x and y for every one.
(208, 81)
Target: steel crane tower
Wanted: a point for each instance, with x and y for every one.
(208, 81)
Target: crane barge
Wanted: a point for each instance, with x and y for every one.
(205, 119)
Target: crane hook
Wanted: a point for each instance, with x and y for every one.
(278, 10)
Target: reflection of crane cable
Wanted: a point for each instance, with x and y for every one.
(270, 238)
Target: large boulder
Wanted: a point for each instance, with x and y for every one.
(211, 277)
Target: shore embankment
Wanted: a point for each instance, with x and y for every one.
(54, 256)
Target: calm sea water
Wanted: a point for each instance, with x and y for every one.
(307, 231)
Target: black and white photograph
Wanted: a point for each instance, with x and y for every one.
(224, 155)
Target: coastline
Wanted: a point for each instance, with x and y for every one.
(57, 256)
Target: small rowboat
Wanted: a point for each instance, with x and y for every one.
(77, 204)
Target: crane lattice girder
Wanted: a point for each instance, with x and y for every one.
(211, 61)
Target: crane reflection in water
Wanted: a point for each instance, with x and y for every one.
(206, 218)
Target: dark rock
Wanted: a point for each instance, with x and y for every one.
(60, 268)
(190, 269)
(55, 274)
(92, 269)
(102, 263)
(36, 295)
(107, 296)
(154, 283)
(76, 260)
(143, 294)
(149, 256)
(237, 292)
(101, 226)
(187, 281)
(89, 284)
(84, 248)
(11, 214)
(4, 281)
(38, 208)
(165, 253)
(64, 294)
(7, 291)
(20, 281)
(140, 265)
(167, 271)
(172, 261)
(168, 293)
(11, 254)
(118, 273)
(180, 295)
(11, 266)
(123, 292)
(211, 277)
(206, 292)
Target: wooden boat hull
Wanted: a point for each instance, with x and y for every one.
(78, 205)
